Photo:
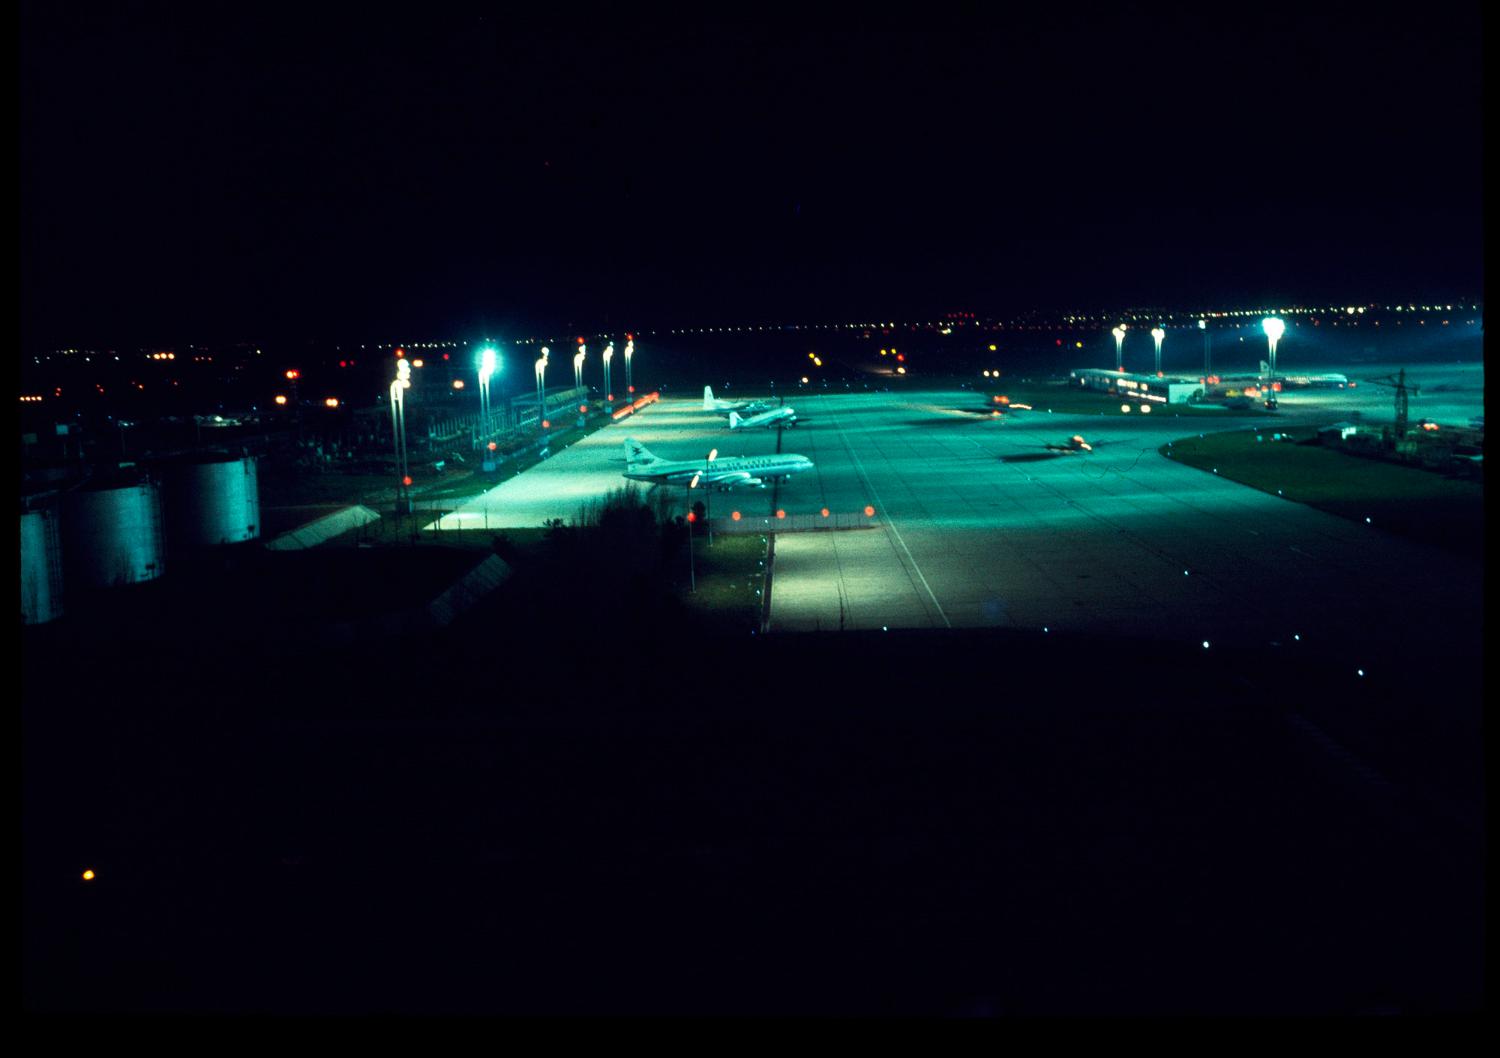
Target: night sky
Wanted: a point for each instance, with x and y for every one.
(197, 173)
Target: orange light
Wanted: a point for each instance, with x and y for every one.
(458, 383)
(406, 480)
(869, 511)
(583, 409)
(416, 363)
(331, 402)
(400, 353)
(88, 876)
(294, 374)
(280, 399)
(546, 424)
(780, 513)
(825, 512)
(734, 516)
(492, 446)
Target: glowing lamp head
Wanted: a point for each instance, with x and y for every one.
(403, 372)
(1203, 325)
(486, 362)
(1274, 327)
(1158, 333)
(280, 399)
(1119, 332)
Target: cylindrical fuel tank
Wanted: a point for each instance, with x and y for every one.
(41, 567)
(210, 502)
(112, 535)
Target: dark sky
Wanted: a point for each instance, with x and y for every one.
(316, 171)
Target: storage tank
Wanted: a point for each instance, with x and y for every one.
(112, 535)
(41, 568)
(211, 501)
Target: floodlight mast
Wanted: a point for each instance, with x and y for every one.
(1158, 334)
(399, 386)
(607, 356)
(629, 351)
(1207, 359)
(541, 386)
(487, 366)
(1119, 333)
(1274, 327)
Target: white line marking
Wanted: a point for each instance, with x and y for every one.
(886, 518)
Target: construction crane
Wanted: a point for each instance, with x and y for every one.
(1398, 383)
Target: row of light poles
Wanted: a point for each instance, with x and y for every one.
(1273, 326)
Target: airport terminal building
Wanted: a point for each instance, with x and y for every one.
(1138, 387)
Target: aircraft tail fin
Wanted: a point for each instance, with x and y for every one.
(708, 398)
(637, 454)
(734, 420)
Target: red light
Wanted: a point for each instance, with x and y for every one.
(1059, 341)
(901, 357)
(869, 511)
(580, 341)
(632, 389)
(294, 374)
(445, 356)
(343, 363)
(691, 517)
(630, 337)
(735, 516)
(583, 409)
(492, 446)
(611, 396)
(546, 424)
(406, 480)
(825, 512)
(780, 513)
(400, 353)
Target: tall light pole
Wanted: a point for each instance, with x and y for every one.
(486, 369)
(1158, 334)
(399, 386)
(1208, 367)
(629, 350)
(1274, 328)
(1119, 333)
(541, 386)
(609, 393)
(578, 364)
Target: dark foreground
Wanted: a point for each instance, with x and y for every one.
(598, 820)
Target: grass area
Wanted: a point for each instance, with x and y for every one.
(729, 578)
(1074, 399)
(1418, 504)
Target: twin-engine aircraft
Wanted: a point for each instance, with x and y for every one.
(724, 407)
(749, 472)
(774, 417)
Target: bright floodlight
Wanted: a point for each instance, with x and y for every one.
(1203, 325)
(1158, 333)
(486, 362)
(1119, 333)
(1274, 328)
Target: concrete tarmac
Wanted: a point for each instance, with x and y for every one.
(979, 524)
